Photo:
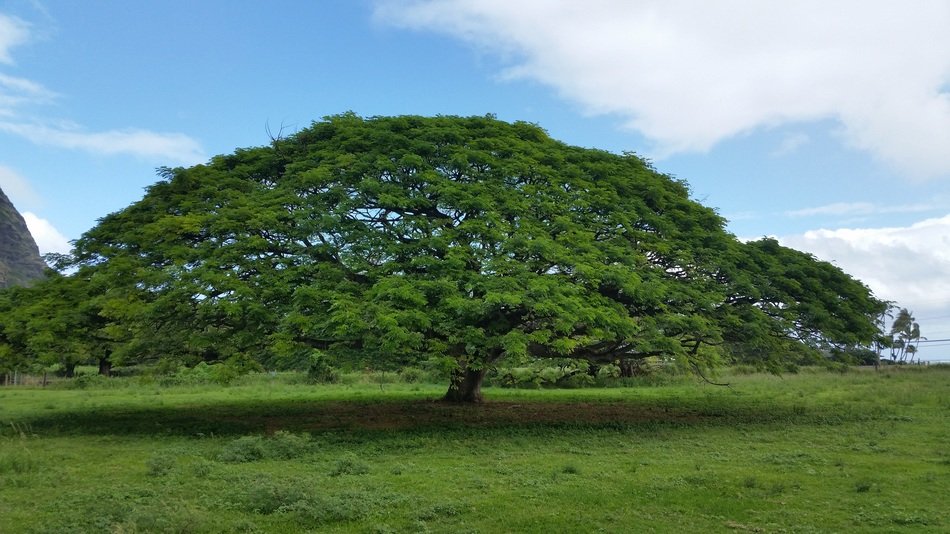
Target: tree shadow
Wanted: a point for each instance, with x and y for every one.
(422, 416)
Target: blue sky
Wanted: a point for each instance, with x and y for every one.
(828, 127)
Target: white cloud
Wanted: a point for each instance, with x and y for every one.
(690, 74)
(909, 265)
(15, 92)
(17, 187)
(13, 32)
(790, 144)
(860, 208)
(176, 147)
(47, 237)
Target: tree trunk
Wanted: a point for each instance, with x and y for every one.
(466, 386)
(105, 367)
(626, 368)
(70, 370)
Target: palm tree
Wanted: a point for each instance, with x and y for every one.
(907, 330)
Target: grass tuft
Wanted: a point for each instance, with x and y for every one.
(159, 465)
(281, 446)
(349, 464)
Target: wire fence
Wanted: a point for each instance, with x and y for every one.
(17, 378)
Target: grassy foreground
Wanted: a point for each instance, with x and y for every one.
(815, 452)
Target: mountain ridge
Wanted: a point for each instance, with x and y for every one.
(20, 260)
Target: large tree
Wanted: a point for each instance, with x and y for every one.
(387, 240)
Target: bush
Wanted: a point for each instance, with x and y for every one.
(319, 370)
(309, 507)
(566, 373)
(439, 369)
(578, 380)
(221, 373)
(350, 464)
(243, 449)
(17, 461)
(183, 376)
(317, 509)
(159, 465)
(286, 445)
(412, 375)
(281, 446)
(88, 381)
(608, 371)
(265, 497)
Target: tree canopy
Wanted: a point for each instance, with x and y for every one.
(388, 240)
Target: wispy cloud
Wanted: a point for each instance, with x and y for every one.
(16, 94)
(691, 74)
(176, 147)
(859, 208)
(790, 144)
(17, 187)
(13, 32)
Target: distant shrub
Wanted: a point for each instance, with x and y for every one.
(412, 375)
(201, 468)
(320, 371)
(220, 373)
(286, 445)
(608, 371)
(159, 465)
(183, 376)
(319, 509)
(349, 464)
(838, 367)
(281, 446)
(243, 449)
(517, 377)
(565, 373)
(88, 381)
(17, 461)
(570, 469)
(745, 369)
(266, 497)
(578, 380)
(438, 369)
(309, 507)
(437, 511)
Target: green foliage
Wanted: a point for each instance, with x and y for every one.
(320, 371)
(17, 460)
(266, 497)
(243, 449)
(222, 373)
(412, 375)
(280, 446)
(159, 465)
(349, 464)
(390, 242)
(565, 373)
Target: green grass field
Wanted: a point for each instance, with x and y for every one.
(862, 451)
